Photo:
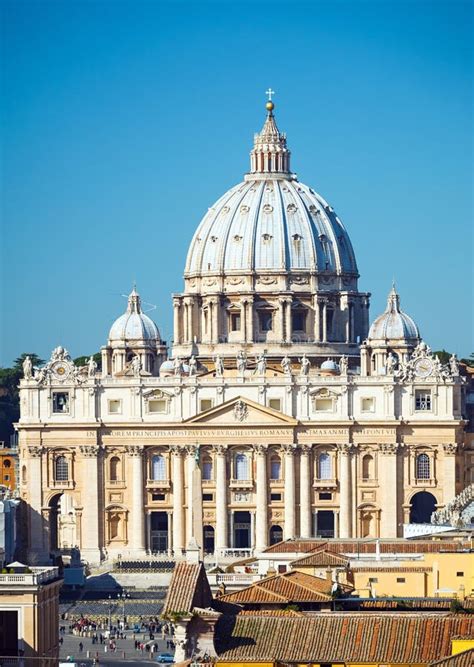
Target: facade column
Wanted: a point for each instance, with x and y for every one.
(221, 498)
(137, 529)
(243, 320)
(388, 485)
(250, 323)
(281, 320)
(261, 538)
(289, 531)
(215, 320)
(288, 328)
(305, 493)
(36, 547)
(176, 322)
(345, 515)
(449, 472)
(178, 501)
(325, 322)
(90, 516)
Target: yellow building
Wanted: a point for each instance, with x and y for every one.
(29, 605)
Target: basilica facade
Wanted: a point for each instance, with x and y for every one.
(281, 411)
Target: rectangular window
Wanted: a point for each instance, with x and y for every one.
(275, 404)
(367, 404)
(325, 496)
(373, 580)
(60, 402)
(115, 407)
(298, 320)
(265, 318)
(324, 405)
(158, 497)
(6, 478)
(235, 321)
(275, 496)
(208, 497)
(422, 400)
(400, 580)
(460, 574)
(157, 406)
(205, 404)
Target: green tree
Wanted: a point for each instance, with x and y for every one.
(82, 361)
(469, 361)
(442, 355)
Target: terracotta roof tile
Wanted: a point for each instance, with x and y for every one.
(322, 558)
(306, 546)
(332, 637)
(188, 588)
(464, 659)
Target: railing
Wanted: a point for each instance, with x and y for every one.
(234, 553)
(62, 484)
(29, 578)
(324, 483)
(158, 484)
(241, 484)
(236, 579)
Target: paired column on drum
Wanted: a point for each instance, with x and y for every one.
(90, 514)
(261, 516)
(34, 482)
(221, 498)
(345, 504)
(178, 500)
(388, 487)
(289, 531)
(136, 525)
(305, 493)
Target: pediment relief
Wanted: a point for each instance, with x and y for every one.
(156, 394)
(242, 411)
(324, 392)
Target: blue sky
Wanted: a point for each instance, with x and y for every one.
(124, 121)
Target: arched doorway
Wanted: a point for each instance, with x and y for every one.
(423, 504)
(276, 534)
(208, 539)
(62, 523)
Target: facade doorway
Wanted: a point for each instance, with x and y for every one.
(158, 531)
(62, 525)
(423, 504)
(324, 523)
(276, 534)
(209, 540)
(242, 525)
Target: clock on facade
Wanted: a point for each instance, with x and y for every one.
(423, 367)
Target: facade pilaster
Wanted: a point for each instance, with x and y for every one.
(289, 530)
(261, 517)
(37, 548)
(345, 509)
(250, 322)
(137, 512)
(191, 453)
(90, 516)
(305, 494)
(449, 471)
(176, 321)
(388, 489)
(221, 541)
(178, 501)
(288, 331)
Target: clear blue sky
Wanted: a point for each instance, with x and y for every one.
(124, 121)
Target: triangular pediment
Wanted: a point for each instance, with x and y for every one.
(244, 412)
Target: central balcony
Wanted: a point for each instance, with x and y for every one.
(246, 484)
(158, 484)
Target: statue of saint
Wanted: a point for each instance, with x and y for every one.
(305, 365)
(261, 364)
(136, 366)
(390, 363)
(343, 364)
(192, 365)
(91, 367)
(286, 365)
(241, 362)
(27, 368)
(219, 366)
(177, 366)
(453, 365)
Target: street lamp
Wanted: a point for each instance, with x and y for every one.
(123, 597)
(110, 612)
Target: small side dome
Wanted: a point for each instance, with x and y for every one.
(134, 325)
(329, 366)
(167, 368)
(394, 324)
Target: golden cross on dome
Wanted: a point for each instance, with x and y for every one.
(269, 92)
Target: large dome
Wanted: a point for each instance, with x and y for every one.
(393, 324)
(270, 221)
(271, 224)
(134, 325)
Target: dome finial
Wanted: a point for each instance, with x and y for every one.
(269, 105)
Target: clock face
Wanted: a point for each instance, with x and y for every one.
(60, 370)
(423, 368)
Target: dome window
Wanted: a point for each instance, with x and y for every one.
(225, 210)
(234, 321)
(297, 237)
(237, 238)
(213, 239)
(244, 208)
(298, 321)
(291, 208)
(265, 320)
(267, 237)
(268, 208)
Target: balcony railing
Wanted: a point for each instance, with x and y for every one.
(62, 484)
(324, 483)
(158, 484)
(234, 553)
(241, 483)
(29, 578)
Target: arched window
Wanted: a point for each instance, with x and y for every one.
(275, 467)
(115, 468)
(114, 525)
(324, 466)
(23, 475)
(241, 467)
(7, 463)
(368, 467)
(423, 466)
(158, 468)
(61, 469)
(207, 468)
